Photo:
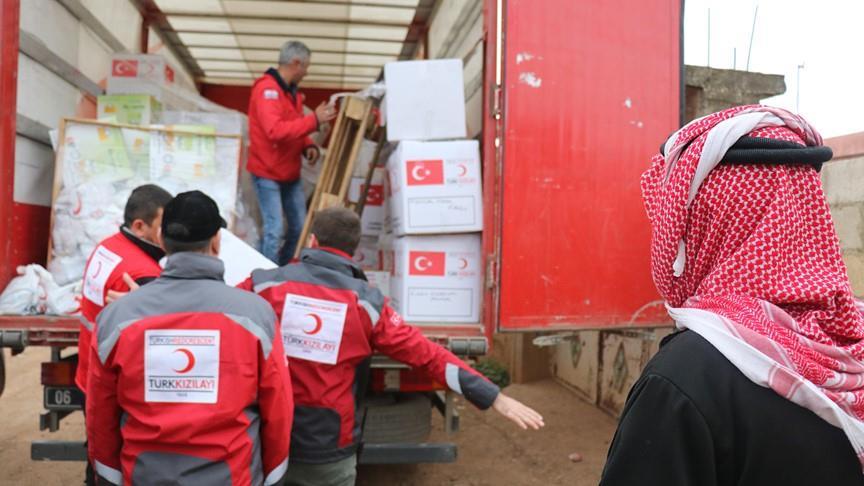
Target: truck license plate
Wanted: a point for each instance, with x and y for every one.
(63, 398)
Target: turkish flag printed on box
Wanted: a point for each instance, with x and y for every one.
(375, 195)
(124, 68)
(425, 172)
(427, 263)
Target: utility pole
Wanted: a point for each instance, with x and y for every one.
(709, 37)
(752, 33)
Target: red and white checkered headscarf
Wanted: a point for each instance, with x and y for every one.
(747, 256)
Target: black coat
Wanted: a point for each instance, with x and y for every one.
(694, 419)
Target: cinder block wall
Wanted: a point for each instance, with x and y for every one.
(843, 180)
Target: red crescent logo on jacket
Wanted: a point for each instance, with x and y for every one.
(318, 323)
(190, 360)
(95, 274)
(427, 263)
(425, 172)
(124, 68)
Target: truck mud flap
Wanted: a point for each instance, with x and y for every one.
(401, 453)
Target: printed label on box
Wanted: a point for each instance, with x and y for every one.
(431, 211)
(312, 328)
(101, 265)
(181, 365)
(447, 303)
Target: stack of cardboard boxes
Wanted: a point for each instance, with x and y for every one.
(429, 233)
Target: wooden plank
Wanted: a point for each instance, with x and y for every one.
(333, 183)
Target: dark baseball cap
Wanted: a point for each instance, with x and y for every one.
(191, 217)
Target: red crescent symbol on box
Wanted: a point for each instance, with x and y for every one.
(190, 360)
(463, 264)
(463, 170)
(318, 324)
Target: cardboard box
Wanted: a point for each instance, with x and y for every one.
(372, 220)
(436, 188)
(139, 74)
(624, 355)
(368, 256)
(381, 281)
(365, 158)
(136, 109)
(438, 278)
(224, 123)
(388, 255)
(576, 363)
(425, 100)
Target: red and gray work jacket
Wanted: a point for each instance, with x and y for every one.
(332, 321)
(188, 383)
(118, 254)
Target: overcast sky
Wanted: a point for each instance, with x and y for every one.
(825, 36)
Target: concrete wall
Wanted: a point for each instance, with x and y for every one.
(842, 179)
(709, 90)
(456, 32)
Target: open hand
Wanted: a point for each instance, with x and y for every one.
(325, 112)
(520, 414)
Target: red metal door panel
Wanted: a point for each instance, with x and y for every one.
(591, 88)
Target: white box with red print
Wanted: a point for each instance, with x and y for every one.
(435, 188)
(438, 278)
(139, 74)
(372, 220)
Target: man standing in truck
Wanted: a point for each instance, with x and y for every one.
(332, 321)
(278, 137)
(188, 384)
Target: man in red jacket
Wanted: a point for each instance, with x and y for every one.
(332, 321)
(133, 250)
(278, 137)
(188, 382)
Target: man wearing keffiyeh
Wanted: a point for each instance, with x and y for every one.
(765, 382)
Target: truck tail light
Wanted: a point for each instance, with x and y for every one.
(60, 373)
(403, 380)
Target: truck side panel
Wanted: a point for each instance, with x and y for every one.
(591, 89)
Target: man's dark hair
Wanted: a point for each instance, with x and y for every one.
(144, 203)
(172, 246)
(337, 228)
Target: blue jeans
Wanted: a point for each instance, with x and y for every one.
(275, 200)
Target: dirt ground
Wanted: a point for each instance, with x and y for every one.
(491, 451)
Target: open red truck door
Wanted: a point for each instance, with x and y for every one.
(582, 94)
